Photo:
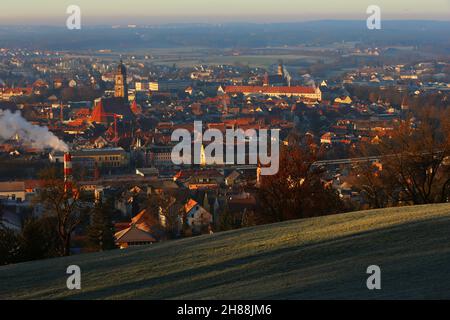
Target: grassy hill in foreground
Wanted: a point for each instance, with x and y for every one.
(316, 258)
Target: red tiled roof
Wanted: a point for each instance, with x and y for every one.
(105, 109)
(272, 90)
(32, 184)
(119, 226)
(187, 126)
(40, 83)
(135, 108)
(164, 125)
(189, 205)
(219, 126)
(184, 174)
(239, 121)
(145, 220)
(82, 112)
(133, 234)
(27, 90)
(98, 114)
(218, 99)
(77, 122)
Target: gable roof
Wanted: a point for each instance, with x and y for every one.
(145, 221)
(189, 205)
(98, 114)
(233, 175)
(133, 234)
(105, 108)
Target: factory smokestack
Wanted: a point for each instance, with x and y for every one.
(67, 167)
(67, 172)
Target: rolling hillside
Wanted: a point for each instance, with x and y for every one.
(316, 258)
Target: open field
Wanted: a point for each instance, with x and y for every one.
(194, 56)
(316, 258)
(262, 61)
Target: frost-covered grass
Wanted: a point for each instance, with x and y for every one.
(316, 258)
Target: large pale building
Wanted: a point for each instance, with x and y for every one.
(169, 85)
(103, 158)
(309, 93)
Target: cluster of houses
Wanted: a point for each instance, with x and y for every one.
(193, 201)
(121, 141)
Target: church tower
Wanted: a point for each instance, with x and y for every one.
(121, 86)
(280, 70)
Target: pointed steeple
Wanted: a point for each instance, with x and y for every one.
(98, 114)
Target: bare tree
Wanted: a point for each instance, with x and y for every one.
(415, 158)
(366, 177)
(415, 168)
(298, 190)
(63, 202)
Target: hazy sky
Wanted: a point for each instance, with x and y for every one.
(160, 11)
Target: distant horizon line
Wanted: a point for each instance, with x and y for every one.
(232, 22)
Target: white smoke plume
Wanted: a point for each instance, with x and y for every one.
(12, 124)
(308, 80)
(287, 75)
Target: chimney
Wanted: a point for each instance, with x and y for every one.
(67, 167)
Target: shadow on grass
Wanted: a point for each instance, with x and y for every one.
(414, 257)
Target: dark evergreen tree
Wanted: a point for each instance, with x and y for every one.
(226, 220)
(9, 246)
(39, 239)
(101, 229)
